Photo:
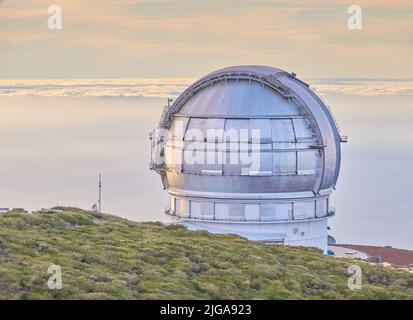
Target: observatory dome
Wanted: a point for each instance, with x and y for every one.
(250, 150)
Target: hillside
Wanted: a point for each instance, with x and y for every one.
(106, 257)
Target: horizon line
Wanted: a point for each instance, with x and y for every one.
(195, 77)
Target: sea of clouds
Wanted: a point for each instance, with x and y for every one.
(172, 87)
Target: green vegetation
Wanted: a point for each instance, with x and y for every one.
(106, 257)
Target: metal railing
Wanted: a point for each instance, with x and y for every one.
(203, 219)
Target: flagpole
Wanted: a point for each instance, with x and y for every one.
(100, 192)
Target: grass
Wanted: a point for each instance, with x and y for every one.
(106, 257)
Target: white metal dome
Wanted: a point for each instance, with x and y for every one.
(288, 135)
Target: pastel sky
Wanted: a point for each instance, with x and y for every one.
(188, 38)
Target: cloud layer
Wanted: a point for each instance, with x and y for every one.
(172, 87)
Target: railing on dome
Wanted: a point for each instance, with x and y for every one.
(343, 138)
(169, 212)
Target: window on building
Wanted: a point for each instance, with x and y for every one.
(252, 211)
(221, 211)
(284, 211)
(237, 211)
(267, 211)
(304, 210)
(182, 207)
(321, 207)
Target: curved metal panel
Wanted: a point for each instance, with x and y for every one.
(331, 161)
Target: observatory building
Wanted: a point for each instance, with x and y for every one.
(250, 150)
